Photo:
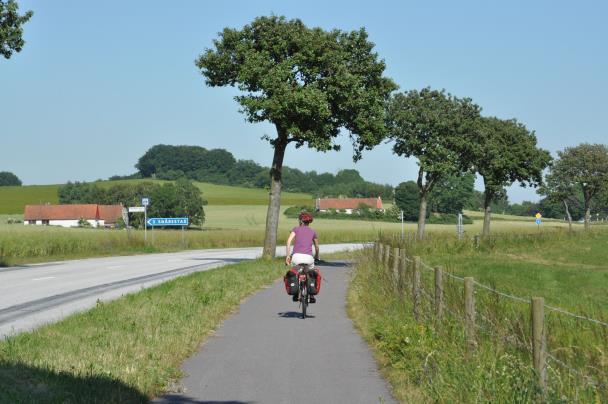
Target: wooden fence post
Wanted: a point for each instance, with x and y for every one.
(403, 269)
(416, 287)
(379, 251)
(539, 342)
(396, 257)
(387, 255)
(469, 305)
(439, 293)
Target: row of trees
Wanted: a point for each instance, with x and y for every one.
(178, 199)
(219, 166)
(311, 84)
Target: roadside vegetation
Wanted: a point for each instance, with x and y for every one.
(427, 360)
(128, 350)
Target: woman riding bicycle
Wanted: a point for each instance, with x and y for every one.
(305, 238)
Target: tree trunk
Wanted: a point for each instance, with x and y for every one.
(422, 216)
(274, 204)
(568, 215)
(587, 214)
(487, 213)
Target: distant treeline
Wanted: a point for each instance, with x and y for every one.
(219, 166)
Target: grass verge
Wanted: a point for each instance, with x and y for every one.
(128, 350)
(426, 360)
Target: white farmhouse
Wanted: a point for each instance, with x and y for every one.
(70, 215)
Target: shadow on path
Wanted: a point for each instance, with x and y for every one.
(293, 314)
(177, 398)
(234, 260)
(333, 264)
(20, 383)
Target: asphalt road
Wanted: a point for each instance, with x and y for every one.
(267, 354)
(32, 295)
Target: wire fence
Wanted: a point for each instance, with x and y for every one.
(529, 336)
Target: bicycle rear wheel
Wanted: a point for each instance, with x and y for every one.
(304, 300)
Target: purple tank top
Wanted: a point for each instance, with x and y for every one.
(304, 240)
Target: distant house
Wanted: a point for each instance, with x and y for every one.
(347, 205)
(70, 215)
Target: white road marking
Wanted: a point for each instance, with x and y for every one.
(43, 278)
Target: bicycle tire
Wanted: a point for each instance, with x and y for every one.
(303, 300)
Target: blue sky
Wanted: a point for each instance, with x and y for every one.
(98, 83)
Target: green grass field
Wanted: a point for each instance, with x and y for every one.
(426, 360)
(14, 199)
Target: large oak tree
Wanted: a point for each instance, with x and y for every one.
(438, 129)
(11, 31)
(506, 152)
(308, 82)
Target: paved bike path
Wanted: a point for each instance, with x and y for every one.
(267, 354)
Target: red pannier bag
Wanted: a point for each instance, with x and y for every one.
(314, 281)
(291, 282)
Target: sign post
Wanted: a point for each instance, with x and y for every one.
(167, 221)
(402, 229)
(145, 202)
(182, 222)
(459, 226)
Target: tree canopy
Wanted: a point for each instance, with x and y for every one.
(437, 128)
(506, 152)
(585, 167)
(406, 199)
(9, 179)
(308, 82)
(11, 31)
(452, 194)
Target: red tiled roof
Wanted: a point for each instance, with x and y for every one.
(110, 213)
(348, 203)
(72, 212)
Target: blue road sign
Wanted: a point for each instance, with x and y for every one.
(537, 221)
(168, 221)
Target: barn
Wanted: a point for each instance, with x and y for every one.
(70, 215)
(347, 205)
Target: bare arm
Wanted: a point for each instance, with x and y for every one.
(292, 235)
(316, 241)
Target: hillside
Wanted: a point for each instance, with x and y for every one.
(13, 199)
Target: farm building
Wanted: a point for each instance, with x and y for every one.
(347, 205)
(70, 215)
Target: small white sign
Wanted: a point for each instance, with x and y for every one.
(145, 201)
(137, 209)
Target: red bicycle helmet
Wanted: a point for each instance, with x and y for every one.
(305, 217)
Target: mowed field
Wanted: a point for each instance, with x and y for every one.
(13, 199)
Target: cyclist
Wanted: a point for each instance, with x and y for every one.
(305, 238)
